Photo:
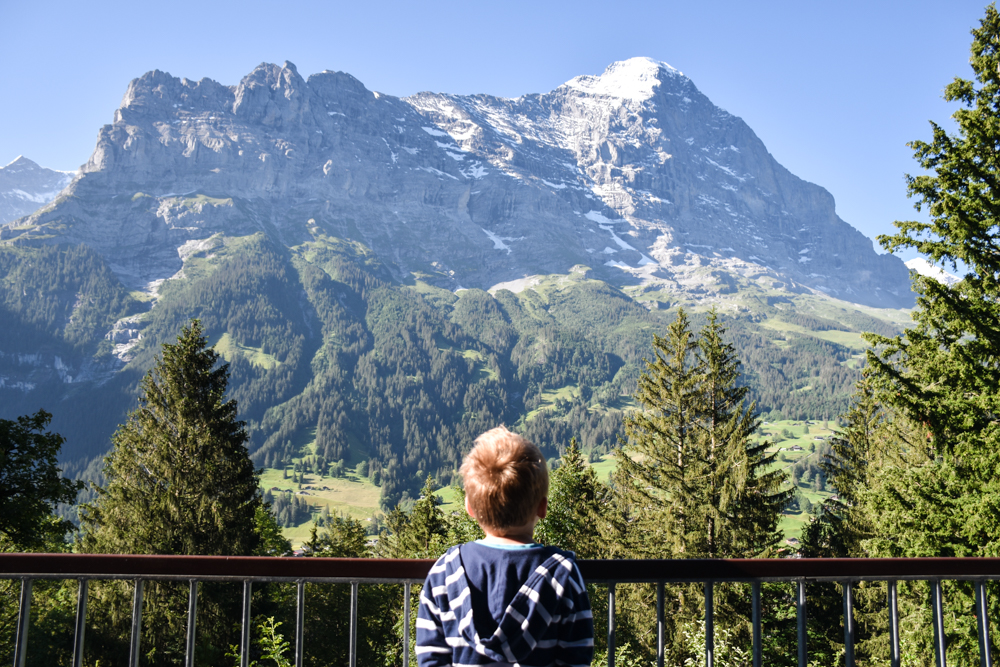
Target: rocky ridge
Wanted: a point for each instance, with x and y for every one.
(633, 173)
(25, 187)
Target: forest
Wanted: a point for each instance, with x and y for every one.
(330, 358)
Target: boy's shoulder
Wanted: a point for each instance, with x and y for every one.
(549, 561)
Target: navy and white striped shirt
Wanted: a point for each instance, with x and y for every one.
(483, 605)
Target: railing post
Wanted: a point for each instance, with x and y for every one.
(406, 624)
(192, 622)
(133, 659)
(300, 621)
(800, 613)
(894, 624)
(849, 624)
(611, 624)
(661, 629)
(353, 647)
(937, 606)
(81, 624)
(983, 625)
(23, 620)
(245, 639)
(758, 650)
(709, 624)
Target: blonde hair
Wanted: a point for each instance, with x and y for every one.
(505, 479)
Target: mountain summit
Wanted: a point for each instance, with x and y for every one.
(633, 173)
(25, 186)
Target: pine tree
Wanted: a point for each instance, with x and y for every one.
(933, 491)
(691, 482)
(694, 482)
(659, 471)
(179, 481)
(943, 372)
(419, 534)
(576, 503)
(744, 496)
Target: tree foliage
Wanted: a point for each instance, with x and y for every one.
(916, 468)
(179, 481)
(576, 507)
(690, 479)
(30, 482)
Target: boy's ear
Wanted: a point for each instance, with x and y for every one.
(468, 510)
(543, 508)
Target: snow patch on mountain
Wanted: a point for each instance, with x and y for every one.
(925, 268)
(632, 79)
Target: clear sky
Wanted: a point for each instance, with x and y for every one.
(834, 89)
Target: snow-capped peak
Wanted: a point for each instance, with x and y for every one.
(925, 268)
(632, 79)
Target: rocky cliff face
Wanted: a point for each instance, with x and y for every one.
(25, 187)
(633, 173)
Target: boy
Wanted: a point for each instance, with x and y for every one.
(505, 600)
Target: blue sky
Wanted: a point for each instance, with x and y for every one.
(835, 90)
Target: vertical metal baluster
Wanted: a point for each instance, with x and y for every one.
(660, 625)
(938, 609)
(23, 619)
(758, 649)
(81, 623)
(894, 624)
(800, 613)
(709, 624)
(192, 622)
(406, 624)
(611, 624)
(353, 648)
(983, 625)
(849, 623)
(300, 621)
(133, 659)
(245, 639)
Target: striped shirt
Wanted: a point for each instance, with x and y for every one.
(544, 619)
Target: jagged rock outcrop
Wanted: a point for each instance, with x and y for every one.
(634, 173)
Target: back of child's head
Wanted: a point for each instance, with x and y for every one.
(505, 479)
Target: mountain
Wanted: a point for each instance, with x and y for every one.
(634, 173)
(925, 268)
(24, 187)
(389, 276)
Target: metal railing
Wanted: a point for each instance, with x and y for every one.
(357, 571)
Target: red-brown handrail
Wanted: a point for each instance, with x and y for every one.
(99, 566)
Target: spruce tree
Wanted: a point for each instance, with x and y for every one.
(691, 482)
(943, 372)
(659, 471)
(743, 495)
(576, 505)
(179, 478)
(690, 476)
(933, 491)
(179, 481)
